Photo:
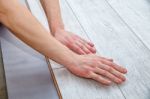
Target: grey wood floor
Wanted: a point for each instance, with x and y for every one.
(119, 29)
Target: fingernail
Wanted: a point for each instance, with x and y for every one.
(91, 44)
(94, 50)
(124, 79)
(119, 81)
(125, 70)
(111, 60)
(109, 82)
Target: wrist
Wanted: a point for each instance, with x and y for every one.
(56, 28)
(62, 54)
(72, 61)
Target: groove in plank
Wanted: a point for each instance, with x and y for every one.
(73, 87)
(136, 15)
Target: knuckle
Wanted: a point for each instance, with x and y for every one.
(96, 78)
(110, 69)
(105, 73)
(97, 64)
(94, 66)
(110, 63)
(88, 74)
(81, 46)
(78, 49)
(69, 44)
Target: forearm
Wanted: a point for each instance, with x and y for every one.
(53, 13)
(28, 29)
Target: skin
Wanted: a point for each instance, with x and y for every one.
(72, 41)
(23, 25)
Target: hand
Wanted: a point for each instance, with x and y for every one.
(98, 68)
(74, 42)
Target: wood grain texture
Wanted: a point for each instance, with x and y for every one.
(78, 87)
(73, 87)
(136, 14)
(114, 38)
(68, 82)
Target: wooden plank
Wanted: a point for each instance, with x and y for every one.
(81, 88)
(68, 82)
(73, 87)
(136, 14)
(114, 38)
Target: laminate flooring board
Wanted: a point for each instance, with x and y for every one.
(136, 14)
(96, 20)
(67, 82)
(114, 38)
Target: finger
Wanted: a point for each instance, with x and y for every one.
(108, 75)
(112, 71)
(100, 79)
(83, 47)
(91, 49)
(85, 50)
(115, 66)
(89, 43)
(77, 49)
(109, 59)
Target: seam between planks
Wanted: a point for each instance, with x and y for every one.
(77, 19)
(136, 35)
(50, 68)
(28, 6)
(89, 38)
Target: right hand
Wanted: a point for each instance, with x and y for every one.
(74, 42)
(98, 68)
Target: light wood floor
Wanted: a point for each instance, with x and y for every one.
(119, 29)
